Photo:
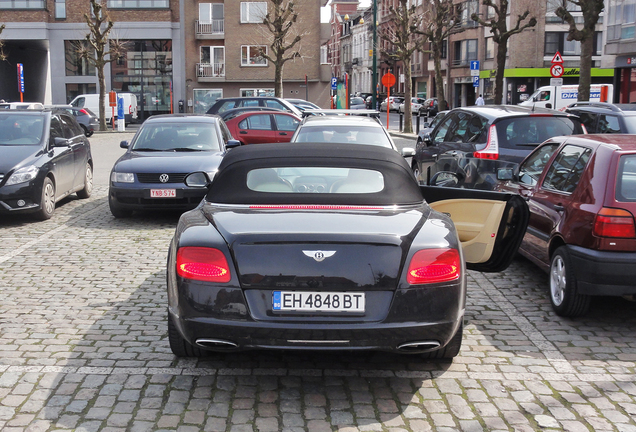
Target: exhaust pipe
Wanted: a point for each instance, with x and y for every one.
(418, 346)
(216, 344)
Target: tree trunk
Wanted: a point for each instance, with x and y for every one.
(408, 116)
(585, 74)
(499, 75)
(102, 93)
(439, 82)
(278, 78)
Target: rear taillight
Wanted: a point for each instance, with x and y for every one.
(615, 223)
(492, 146)
(433, 266)
(129, 109)
(203, 264)
(83, 111)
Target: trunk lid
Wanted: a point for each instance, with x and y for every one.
(318, 250)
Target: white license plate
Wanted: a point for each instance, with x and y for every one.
(307, 301)
(163, 193)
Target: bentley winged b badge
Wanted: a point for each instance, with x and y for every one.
(319, 255)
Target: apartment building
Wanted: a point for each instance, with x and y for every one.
(620, 47)
(42, 36)
(223, 45)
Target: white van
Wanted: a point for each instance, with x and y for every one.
(560, 97)
(91, 101)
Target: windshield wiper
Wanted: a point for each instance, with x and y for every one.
(146, 149)
(182, 149)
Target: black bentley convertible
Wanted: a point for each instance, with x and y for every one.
(332, 246)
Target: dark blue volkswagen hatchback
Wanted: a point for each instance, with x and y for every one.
(44, 157)
(149, 176)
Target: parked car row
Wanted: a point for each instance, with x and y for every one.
(580, 188)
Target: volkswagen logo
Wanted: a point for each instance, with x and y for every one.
(319, 255)
(163, 178)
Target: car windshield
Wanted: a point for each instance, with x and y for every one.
(24, 129)
(626, 180)
(357, 101)
(533, 130)
(176, 137)
(343, 134)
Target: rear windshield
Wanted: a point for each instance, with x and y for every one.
(626, 180)
(533, 130)
(177, 137)
(23, 129)
(344, 134)
(315, 180)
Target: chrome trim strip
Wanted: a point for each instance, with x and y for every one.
(318, 341)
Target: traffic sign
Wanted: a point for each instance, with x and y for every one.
(388, 79)
(556, 82)
(556, 70)
(557, 58)
(334, 83)
(20, 78)
(474, 65)
(475, 81)
(474, 72)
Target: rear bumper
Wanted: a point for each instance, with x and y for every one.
(430, 316)
(604, 273)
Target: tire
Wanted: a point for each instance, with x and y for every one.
(564, 296)
(88, 183)
(179, 346)
(452, 348)
(86, 132)
(116, 210)
(47, 201)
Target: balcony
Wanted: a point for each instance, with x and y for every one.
(214, 29)
(210, 72)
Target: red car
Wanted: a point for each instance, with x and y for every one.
(581, 191)
(260, 127)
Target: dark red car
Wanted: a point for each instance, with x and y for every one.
(581, 191)
(260, 127)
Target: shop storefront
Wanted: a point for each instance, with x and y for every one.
(625, 79)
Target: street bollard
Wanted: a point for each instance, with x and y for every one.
(417, 124)
(401, 120)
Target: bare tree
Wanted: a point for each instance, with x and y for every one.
(440, 21)
(3, 55)
(281, 22)
(405, 34)
(500, 35)
(99, 49)
(591, 10)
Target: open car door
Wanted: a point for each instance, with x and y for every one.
(490, 224)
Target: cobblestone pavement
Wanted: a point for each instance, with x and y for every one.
(83, 347)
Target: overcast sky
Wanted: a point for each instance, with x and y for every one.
(324, 15)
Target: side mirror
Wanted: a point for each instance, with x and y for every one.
(60, 142)
(446, 179)
(232, 143)
(197, 179)
(426, 125)
(427, 140)
(124, 144)
(505, 174)
(408, 152)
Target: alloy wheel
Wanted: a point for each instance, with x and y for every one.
(557, 280)
(49, 198)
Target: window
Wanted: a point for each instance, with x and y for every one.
(211, 18)
(253, 12)
(557, 41)
(531, 169)
(257, 122)
(212, 62)
(257, 92)
(60, 9)
(608, 124)
(468, 9)
(252, 55)
(335, 180)
(566, 170)
(626, 181)
(138, 4)
(75, 65)
(490, 48)
(22, 4)
(465, 51)
(323, 55)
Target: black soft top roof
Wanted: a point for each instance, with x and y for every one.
(230, 184)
